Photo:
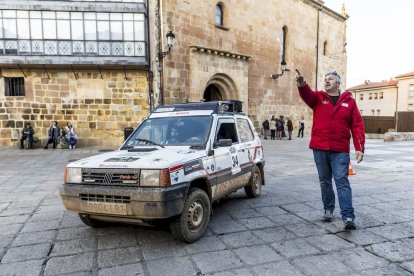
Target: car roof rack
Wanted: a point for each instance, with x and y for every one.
(218, 107)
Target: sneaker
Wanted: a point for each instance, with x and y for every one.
(328, 216)
(349, 224)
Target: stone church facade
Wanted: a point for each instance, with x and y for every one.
(229, 49)
(97, 64)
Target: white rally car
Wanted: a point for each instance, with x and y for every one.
(172, 167)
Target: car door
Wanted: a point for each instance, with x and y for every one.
(226, 161)
(247, 146)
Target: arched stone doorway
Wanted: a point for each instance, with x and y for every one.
(220, 87)
(212, 93)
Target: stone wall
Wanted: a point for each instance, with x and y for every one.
(99, 105)
(254, 29)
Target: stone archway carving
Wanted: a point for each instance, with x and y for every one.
(225, 85)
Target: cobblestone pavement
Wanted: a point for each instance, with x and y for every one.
(279, 233)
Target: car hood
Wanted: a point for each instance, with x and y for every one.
(141, 158)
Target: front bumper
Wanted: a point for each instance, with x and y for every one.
(141, 204)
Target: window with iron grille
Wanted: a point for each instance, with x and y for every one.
(14, 86)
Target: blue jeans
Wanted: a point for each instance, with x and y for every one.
(336, 164)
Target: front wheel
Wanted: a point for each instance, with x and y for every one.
(193, 221)
(254, 188)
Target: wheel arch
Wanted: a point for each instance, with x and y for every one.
(261, 168)
(203, 184)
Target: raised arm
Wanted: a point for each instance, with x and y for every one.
(307, 95)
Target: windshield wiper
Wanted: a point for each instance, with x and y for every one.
(198, 146)
(149, 142)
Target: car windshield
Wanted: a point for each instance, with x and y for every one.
(172, 131)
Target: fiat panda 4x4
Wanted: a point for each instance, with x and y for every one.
(171, 168)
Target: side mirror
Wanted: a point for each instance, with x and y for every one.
(224, 143)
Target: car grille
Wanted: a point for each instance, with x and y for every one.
(123, 177)
(105, 198)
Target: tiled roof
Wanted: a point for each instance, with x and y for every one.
(374, 85)
(405, 75)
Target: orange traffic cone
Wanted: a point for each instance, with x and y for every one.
(351, 171)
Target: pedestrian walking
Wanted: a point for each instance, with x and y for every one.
(301, 127)
(289, 125)
(335, 116)
(266, 128)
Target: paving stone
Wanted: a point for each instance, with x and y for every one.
(366, 209)
(34, 238)
(119, 256)
(271, 211)
(13, 219)
(24, 253)
(150, 235)
(77, 233)
(361, 237)
(216, 261)
(305, 229)
(226, 226)
(51, 208)
(321, 265)
(163, 249)
(257, 254)
(275, 200)
(240, 239)
(276, 268)
(241, 213)
(40, 226)
(171, 266)
(205, 244)
(124, 240)
(395, 252)
(359, 259)
(391, 217)
(257, 223)
(287, 219)
(294, 248)
(10, 211)
(269, 235)
(71, 221)
(329, 242)
(47, 216)
(393, 232)
(5, 240)
(10, 229)
(391, 270)
(70, 247)
(407, 265)
(69, 264)
(122, 270)
(297, 207)
(32, 267)
(232, 272)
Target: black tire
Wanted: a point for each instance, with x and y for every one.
(94, 223)
(254, 188)
(192, 223)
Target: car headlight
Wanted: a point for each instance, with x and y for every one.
(150, 178)
(155, 178)
(73, 175)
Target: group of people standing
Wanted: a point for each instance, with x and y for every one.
(56, 135)
(276, 127)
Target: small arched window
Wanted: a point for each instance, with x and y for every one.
(284, 38)
(325, 48)
(219, 14)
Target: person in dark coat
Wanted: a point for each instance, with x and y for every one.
(54, 132)
(289, 125)
(266, 128)
(27, 133)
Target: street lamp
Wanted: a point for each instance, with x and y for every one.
(283, 68)
(170, 43)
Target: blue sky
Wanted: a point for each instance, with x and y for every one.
(380, 38)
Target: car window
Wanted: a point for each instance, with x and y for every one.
(175, 131)
(245, 132)
(227, 130)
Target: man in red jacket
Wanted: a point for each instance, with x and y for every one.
(335, 118)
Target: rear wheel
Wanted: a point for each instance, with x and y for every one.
(254, 188)
(192, 223)
(94, 223)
